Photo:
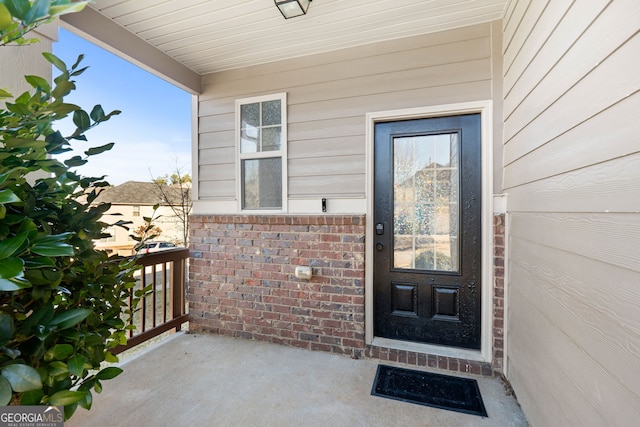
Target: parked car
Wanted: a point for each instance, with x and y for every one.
(150, 247)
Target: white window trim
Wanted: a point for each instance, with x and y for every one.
(114, 236)
(265, 154)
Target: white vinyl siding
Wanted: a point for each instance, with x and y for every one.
(572, 168)
(328, 97)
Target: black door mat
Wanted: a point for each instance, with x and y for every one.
(429, 389)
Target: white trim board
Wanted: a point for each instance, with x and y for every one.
(485, 108)
(307, 206)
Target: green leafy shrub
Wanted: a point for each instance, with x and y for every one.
(63, 304)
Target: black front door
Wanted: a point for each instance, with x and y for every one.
(427, 239)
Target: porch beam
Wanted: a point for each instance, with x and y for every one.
(99, 29)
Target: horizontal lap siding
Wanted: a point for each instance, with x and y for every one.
(328, 97)
(572, 167)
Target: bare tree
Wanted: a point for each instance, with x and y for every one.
(144, 232)
(175, 192)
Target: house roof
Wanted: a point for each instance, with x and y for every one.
(139, 193)
(185, 39)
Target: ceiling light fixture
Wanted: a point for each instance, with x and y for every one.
(293, 8)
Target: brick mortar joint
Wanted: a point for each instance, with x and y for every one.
(357, 220)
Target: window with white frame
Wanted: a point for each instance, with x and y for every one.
(112, 232)
(261, 135)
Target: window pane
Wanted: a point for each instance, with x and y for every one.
(271, 138)
(112, 232)
(249, 140)
(271, 113)
(403, 246)
(262, 183)
(250, 115)
(426, 202)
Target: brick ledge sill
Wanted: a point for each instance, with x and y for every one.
(458, 353)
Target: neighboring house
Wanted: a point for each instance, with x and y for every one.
(297, 126)
(133, 201)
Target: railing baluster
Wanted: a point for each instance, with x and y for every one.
(173, 295)
(143, 310)
(164, 294)
(177, 297)
(130, 333)
(153, 295)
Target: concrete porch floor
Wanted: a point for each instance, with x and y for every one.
(205, 380)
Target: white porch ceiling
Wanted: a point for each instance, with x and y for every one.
(214, 35)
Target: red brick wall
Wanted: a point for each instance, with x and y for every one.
(498, 291)
(242, 284)
(430, 360)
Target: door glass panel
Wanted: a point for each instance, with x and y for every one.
(426, 202)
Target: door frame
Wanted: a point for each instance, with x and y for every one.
(485, 108)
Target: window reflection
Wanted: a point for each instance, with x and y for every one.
(426, 202)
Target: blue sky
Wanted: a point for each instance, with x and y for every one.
(152, 135)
